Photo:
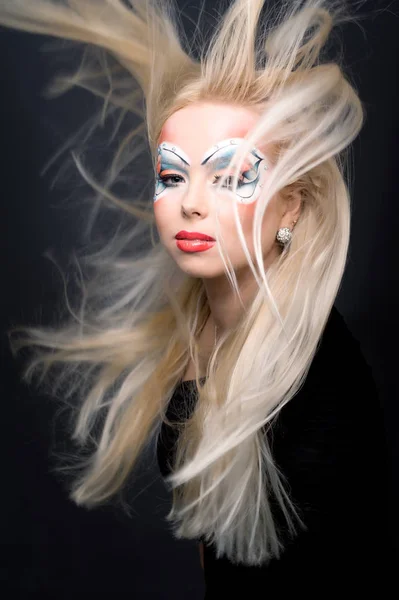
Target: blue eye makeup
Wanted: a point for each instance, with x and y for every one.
(172, 168)
(246, 181)
(173, 165)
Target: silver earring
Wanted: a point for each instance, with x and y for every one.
(284, 235)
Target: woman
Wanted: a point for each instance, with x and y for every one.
(220, 344)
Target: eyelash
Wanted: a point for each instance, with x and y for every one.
(216, 178)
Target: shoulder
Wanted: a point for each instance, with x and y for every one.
(329, 438)
(337, 341)
(339, 364)
(336, 412)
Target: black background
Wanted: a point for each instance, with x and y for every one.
(50, 547)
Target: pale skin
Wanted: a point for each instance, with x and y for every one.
(194, 131)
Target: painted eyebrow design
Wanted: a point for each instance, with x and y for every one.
(178, 153)
(207, 158)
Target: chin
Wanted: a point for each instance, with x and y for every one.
(200, 272)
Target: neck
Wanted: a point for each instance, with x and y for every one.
(225, 307)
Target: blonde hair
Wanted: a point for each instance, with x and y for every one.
(128, 343)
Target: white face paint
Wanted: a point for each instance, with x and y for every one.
(173, 169)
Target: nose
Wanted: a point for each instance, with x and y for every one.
(194, 201)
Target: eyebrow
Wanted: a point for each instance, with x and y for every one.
(175, 157)
(176, 161)
(221, 160)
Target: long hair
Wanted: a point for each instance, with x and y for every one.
(126, 345)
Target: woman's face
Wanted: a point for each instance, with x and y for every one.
(195, 146)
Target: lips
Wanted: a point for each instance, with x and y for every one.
(193, 235)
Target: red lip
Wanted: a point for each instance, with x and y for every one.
(193, 235)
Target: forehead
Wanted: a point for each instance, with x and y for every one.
(198, 127)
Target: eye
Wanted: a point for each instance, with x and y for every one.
(171, 180)
(229, 181)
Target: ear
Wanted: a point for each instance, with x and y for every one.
(292, 206)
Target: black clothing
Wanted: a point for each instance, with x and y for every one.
(328, 441)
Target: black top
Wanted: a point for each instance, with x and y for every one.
(328, 442)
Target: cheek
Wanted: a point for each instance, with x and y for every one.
(246, 213)
(269, 226)
(162, 214)
(246, 217)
